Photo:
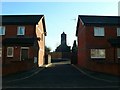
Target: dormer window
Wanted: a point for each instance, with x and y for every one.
(21, 30)
(2, 30)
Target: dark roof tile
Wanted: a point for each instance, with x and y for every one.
(100, 20)
(20, 19)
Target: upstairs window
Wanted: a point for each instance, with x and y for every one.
(2, 30)
(118, 31)
(97, 53)
(21, 30)
(99, 31)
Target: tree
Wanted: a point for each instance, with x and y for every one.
(75, 47)
(47, 49)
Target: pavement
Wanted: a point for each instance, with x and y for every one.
(25, 74)
(98, 75)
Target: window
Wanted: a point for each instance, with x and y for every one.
(118, 31)
(2, 30)
(98, 31)
(21, 30)
(0, 52)
(97, 53)
(10, 52)
(118, 52)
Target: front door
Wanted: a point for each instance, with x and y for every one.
(24, 53)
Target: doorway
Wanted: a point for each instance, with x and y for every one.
(24, 53)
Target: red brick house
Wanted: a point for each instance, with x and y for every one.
(23, 42)
(99, 43)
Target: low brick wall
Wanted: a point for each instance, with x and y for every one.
(108, 68)
(16, 67)
(55, 55)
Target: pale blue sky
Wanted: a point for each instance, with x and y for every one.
(60, 16)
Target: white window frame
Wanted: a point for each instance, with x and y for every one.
(23, 30)
(118, 31)
(99, 31)
(97, 56)
(8, 51)
(118, 50)
(2, 30)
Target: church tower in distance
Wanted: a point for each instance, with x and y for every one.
(63, 46)
(63, 39)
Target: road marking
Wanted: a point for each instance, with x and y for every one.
(25, 77)
(93, 76)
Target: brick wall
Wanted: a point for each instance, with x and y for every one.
(65, 55)
(11, 30)
(55, 55)
(16, 67)
(109, 68)
(87, 41)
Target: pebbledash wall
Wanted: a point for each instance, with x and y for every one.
(110, 42)
(33, 42)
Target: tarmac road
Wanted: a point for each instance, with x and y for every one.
(60, 76)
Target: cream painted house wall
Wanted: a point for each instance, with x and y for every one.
(41, 34)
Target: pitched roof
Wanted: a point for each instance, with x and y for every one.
(98, 20)
(20, 19)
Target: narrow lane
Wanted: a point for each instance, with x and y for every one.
(60, 75)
